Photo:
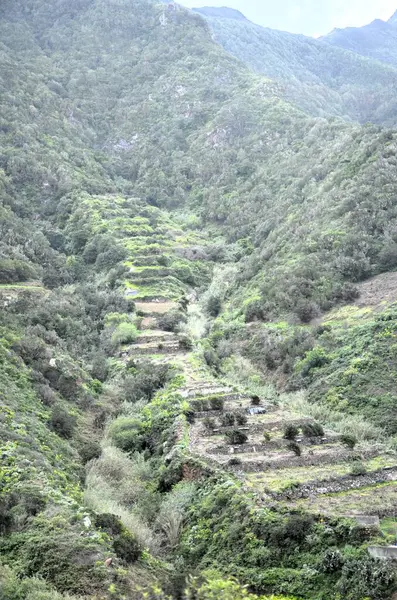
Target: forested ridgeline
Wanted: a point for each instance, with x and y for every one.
(138, 158)
(324, 77)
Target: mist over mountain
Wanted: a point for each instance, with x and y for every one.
(197, 308)
(377, 40)
(319, 78)
(223, 12)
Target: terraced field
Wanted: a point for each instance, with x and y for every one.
(230, 427)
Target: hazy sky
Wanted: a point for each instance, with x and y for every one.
(311, 17)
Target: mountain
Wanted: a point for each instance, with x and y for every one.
(320, 78)
(377, 41)
(186, 412)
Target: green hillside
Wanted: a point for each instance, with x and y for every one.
(323, 79)
(377, 40)
(171, 223)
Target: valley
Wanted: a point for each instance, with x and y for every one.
(198, 315)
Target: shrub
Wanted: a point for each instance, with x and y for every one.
(217, 403)
(171, 321)
(267, 436)
(190, 415)
(234, 462)
(90, 450)
(127, 547)
(366, 578)
(211, 358)
(358, 469)
(209, 423)
(213, 306)
(241, 418)
(125, 333)
(185, 343)
(255, 400)
(235, 436)
(295, 448)
(143, 384)
(126, 434)
(331, 561)
(312, 430)
(349, 440)
(290, 431)
(109, 523)
(227, 419)
(62, 422)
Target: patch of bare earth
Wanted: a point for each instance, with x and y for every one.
(378, 291)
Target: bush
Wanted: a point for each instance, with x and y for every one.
(366, 578)
(255, 400)
(171, 321)
(213, 306)
(349, 440)
(227, 419)
(217, 403)
(291, 431)
(125, 333)
(331, 561)
(241, 418)
(235, 436)
(109, 523)
(126, 434)
(190, 415)
(312, 430)
(127, 547)
(358, 469)
(90, 450)
(209, 423)
(234, 462)
(144, 383)
(62, 422)
(295, 448)
(267, 436)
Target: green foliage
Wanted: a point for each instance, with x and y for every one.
(143, 383)
(62, 422)
(125, 333)
(349, 440)
(227, 419)
(291, 431)
(127, 547)
(366, 578)
(358, 468)
(312, 430)
(34, 588)
(307, 68)
(295, 448)
(235, 436)
(53, 548)
(214, 306)
(215, 587)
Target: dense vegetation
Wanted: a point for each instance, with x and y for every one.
(320, 78)
(378, 40)
(135, 154)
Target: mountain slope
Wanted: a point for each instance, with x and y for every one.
(136, 153)
(377, 40)
(319, 78)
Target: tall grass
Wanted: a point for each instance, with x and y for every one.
(116, 484)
